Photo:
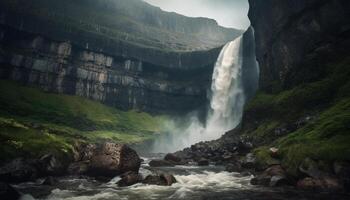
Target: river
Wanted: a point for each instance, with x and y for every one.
(193, 183)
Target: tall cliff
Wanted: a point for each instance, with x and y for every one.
(124, 53)
(299, 119)
(295, 38)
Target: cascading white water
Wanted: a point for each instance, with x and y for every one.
(227, 98)
(226, 104)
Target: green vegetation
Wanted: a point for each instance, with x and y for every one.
(131, 22)
(326, 137)
(34, 122)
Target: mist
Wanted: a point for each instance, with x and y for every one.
(228, 13)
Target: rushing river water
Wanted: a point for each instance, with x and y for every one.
(194, 183)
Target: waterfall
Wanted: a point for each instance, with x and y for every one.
(227, 98)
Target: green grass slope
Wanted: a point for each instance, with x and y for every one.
(326, 137)
(33, 122)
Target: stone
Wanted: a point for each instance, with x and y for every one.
(19, 170)
(274, 152)
(278, 180)
(203, 162)
(273, 176)
(163, 179)
(129, 178)
(233, 167)
(160, 163)
(327, 183)
(173, 158)
(50, 165)
(7, 192)
(106, 160)
(342, 171)
(49, 181)
(249, 161)
(310, 167)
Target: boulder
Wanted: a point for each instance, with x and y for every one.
(273, 176)
(249, 161)
(203, 162)
(49, 181)
(278, 180)
(173, 158)
(274, 152)
(129, 178)
(261, 180)
(163, 179)
(160, 163)
(233, 167)
(19, 170)
(310, 168)
(320, 184)
(106, 160)
(7, 192)
(342, 170)
(51, 166)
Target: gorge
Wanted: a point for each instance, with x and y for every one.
(209, 112)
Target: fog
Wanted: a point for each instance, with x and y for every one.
(228, 13)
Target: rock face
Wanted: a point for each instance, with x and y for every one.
(158, 62)
(162, 179)
(294, 37)
(19, 170)
(129, 178)
(106, 160)
(7, 192)
(116, 80)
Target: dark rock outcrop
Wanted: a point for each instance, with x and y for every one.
(161, 163)
(162, 179)
(295, 38)
(273, 176)
(19, 170)
(129, 178)
(7, 192)
(320, 184)
(106, 160)
(161, 62)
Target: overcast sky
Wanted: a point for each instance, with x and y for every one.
(228, 13)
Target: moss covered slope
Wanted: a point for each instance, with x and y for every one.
(326, 134)
(33, 122)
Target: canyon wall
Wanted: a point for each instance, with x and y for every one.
(295, 38)
(126, 54)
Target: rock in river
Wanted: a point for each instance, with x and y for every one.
(163, 179)
(107, 159)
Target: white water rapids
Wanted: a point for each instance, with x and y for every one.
(226, 104)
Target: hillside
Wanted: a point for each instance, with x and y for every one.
(132, 22)
(34, 123)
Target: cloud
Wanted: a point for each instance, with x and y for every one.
(228, 13)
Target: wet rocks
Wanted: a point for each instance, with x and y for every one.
(342, 170)
(203, 162)
(160, 163)
(273, 176)
(234, 167)
(107, 160)
(311, 168)
(174, 159)
(7, 192)
(162, 179)
(50, 181)
(249, 162)
(129, 178)
(51, 166)
(320, 184)
(19, 170)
